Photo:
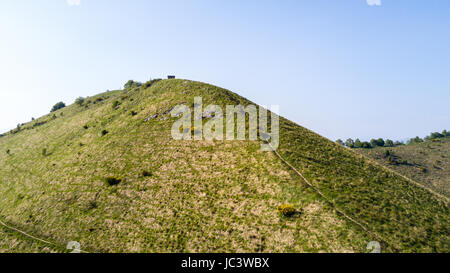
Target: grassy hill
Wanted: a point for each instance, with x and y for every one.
(199, 196)
(427, 163)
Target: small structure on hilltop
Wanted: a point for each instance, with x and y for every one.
(170, 77)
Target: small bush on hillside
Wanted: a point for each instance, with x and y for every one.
(133, 113)
(146, 174)
(150, 83)
(79, 101)
(58, 106)
(104, 132)
(91, 204)
(44, 152)
(85, 127)
(132, 84)
(8, 152)
(115, 104)
(287, 210)
(113, 181)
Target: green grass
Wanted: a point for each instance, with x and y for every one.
(427, 163)
(201, 196)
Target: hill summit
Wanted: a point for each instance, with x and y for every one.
(107, 173)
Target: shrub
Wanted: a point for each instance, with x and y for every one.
(150, 83)
(377, 142)
(58, 106)
(104, 132)
(350, 143)
(113, 181)
(8, 152)
(357, 143)
(146, 174)
(366, 145)
(340, 142)
(80, 101)
(415, 140)
(115, 104)
(389, 143)
(44, 152)
(92, 204)
(132, 84)
(398, 143)
(133, 113)
(287, 210)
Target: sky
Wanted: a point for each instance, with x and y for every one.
(342, 68)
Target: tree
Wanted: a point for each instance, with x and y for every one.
(79, 101)
(131, 84)
(366, 145)
(374, 142)
(58, 106)
(380, 142)
(357, 143)
(340, 142)
(389, 143)
(398, 143)
(350, 143)
(436, 135)
(415, 140)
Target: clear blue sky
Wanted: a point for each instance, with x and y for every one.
(342, 68)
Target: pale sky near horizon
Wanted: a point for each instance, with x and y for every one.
(342, 68)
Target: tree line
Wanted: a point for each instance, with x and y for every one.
(380, 142)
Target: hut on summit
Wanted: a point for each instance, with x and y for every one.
(171, 77)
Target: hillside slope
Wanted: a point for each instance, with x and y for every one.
(200, 196)
(427, 163)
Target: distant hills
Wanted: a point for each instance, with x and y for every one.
(426, 162)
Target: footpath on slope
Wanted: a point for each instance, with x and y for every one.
(373, 234)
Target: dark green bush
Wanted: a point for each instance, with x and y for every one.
(115, 104)
(132, 84)
(146, 174)
(366, 145)
(79, 101)
(389, 143)
(150, 83)
(113, 181)
(104, 132)
(58, 106)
